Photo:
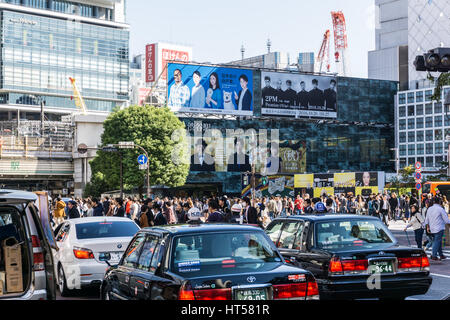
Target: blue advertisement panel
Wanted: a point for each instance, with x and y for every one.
(206, 89)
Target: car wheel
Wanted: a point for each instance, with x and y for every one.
(62, 283)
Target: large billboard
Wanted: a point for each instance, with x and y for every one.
(206, 89)
(298, 95)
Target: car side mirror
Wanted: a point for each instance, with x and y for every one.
(105, 257)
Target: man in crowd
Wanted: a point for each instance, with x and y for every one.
(435, 221)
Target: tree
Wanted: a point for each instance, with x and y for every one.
(159, 132)
(407, 174)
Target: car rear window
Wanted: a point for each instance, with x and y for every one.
(352, 234)
(219, 253)
(114, 229)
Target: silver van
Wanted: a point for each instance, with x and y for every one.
(20, 223)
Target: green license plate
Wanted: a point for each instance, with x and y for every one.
(251, 294)
(382, 267)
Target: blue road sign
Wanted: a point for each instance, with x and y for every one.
(418, 176)
(419, 186)
(142, 159)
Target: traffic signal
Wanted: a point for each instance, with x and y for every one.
(264, 181)
(436, 60)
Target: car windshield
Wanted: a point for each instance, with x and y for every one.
(111, 229)
(221, 253)
(352, 234)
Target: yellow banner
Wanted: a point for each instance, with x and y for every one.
(318, 192)
(366, 191)
(304, 181)
(344, 180)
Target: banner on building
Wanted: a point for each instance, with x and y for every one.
(150, 66)
(279, 185)
(298, 95)
(212, 90)
(359, 183)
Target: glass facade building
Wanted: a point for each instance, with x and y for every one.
(41, 51)
(360, 138)
(421, 127)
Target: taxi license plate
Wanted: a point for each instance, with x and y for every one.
(382, 267)
(251, 294)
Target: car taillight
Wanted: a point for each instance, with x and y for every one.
(313, 291)
(341, 267)
(38, 256)
(213, 294)
(186, 293)
(289, 291)
(413, 263)
(81, 253)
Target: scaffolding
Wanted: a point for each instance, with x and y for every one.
(36, 139)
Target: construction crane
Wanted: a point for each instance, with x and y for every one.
(79, 101)
(323, 59)
(340, 42)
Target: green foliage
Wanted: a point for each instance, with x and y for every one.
(407, 174)
(443, 80)
(159, 132)
(97, 186)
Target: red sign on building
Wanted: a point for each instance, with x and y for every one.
(172, 55)
(150, 67)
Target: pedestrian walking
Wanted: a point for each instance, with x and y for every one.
(59, 211)
(416, 222)
(435, 221)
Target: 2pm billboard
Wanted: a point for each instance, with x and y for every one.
(207, 89)
(298, 95)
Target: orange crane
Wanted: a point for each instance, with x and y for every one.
(323, 59)
(340, 42)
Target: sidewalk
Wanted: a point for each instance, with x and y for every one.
(398, 226)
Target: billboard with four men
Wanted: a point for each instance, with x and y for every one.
(298, 95)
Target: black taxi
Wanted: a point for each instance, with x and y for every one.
(351, 256)
(205, 262)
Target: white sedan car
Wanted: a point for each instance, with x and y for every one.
(82, 242)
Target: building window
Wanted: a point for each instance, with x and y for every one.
(438, 121)
(429, 122)
(411, 97)
(402, 150)
(428, 95)
(420, 149)
(419, 110)
(429, 108)
(402, 162)
(402, 98)
(411, 136)
(411, 161)
(429, 148)
(419, 123)
(429, 162)
(447, 121)
(438, 135)
(411, 123)
(402, 137)
(438, 148)
(410, 111)
(429, 135)
(402, 112)
(411, 150)
(419, 96)
(402, 124)
(419, 136)
(437, 107)
(439, 160)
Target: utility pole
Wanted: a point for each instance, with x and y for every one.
(121, 175)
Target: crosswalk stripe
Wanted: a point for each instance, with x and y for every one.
(440, 275)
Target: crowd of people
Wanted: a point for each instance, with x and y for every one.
(427, 216)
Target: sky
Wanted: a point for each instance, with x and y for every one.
(217, 29)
